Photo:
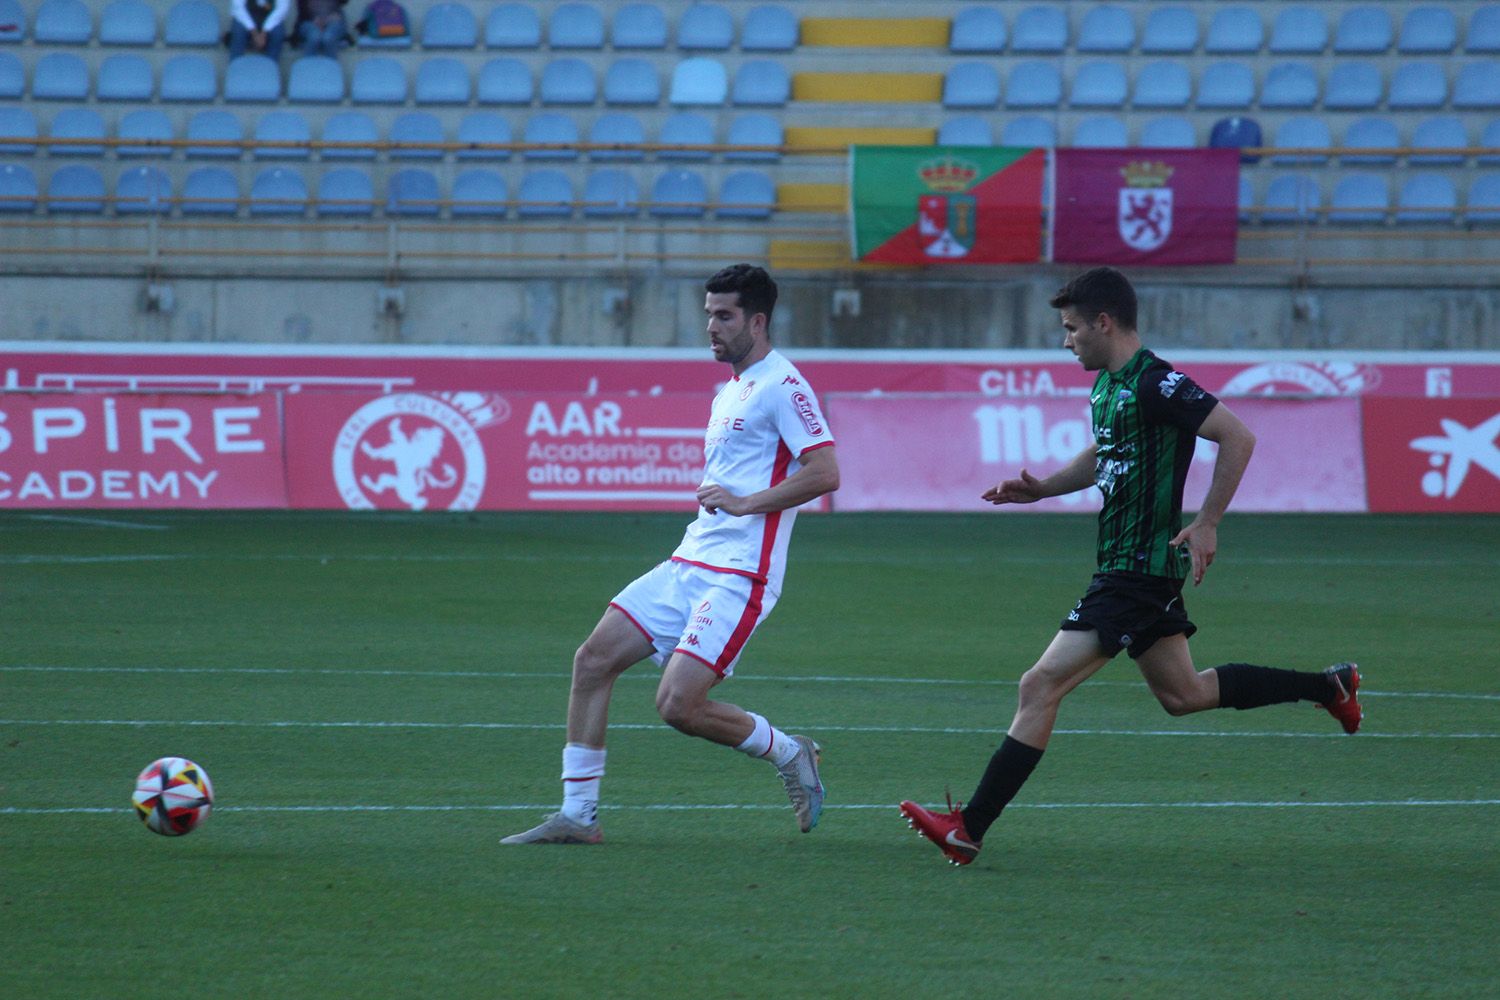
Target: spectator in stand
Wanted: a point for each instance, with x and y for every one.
(320, 27)
(258, 26)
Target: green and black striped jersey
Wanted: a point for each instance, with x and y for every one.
(1146, 420)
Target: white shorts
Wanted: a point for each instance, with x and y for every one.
(706, 614)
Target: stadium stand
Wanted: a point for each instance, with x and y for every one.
(210, 191)
(1360, 199)
(1170, 30)
(576, 26)
(189, 79)
(127, 22)
(191, 22)
(617, 128)
(1106, 28)
(639, 26)
(12, 27)
(148, 126)
(345, 191)
(1299, 30)
(143, 189)
(771, 28)
(611, 193)
(215, 129)
(18, 189)
(545, 194)
(705, 27)
(1364, 30)
(512, 26)
(413, 191)
(479, 193)
(482, 128)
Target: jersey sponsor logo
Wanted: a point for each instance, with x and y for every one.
(749, 388)
(807, 413)
(1170, 383)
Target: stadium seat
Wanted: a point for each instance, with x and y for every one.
(1304, 132)
(143, 191)
(12, 24)
(345, 191)
(17, 123)
(746, 194)
(378, 80)
(616, 128)
(1483, 205)
(1299, 30)
(1478, 86)
(60, 76)
(125, 77)
(513, 26)
(554, 129)
(1236, 132)
(576, 26)
(611, 193)
(1032, 131)
(1490, 140)
(705, 27)
(62, 22)
(278, 191)
(1359, 199)
(1292, 198)
(977, 29)
(1247, 197)
(1041, 28)
(1426, 199)
(971, 85)
(278, 128)
(210, 191)
(483, 127)
(1170, 30)
(75, 189)
(1353, 85)
(1100, 132)
(1226, 85)
(1290, 85)
(698, 81)
(1429, 30)
(769, 28)
(679, 193)
(315, 80)
(758, 130)
(505, 80)
(416, 127)
(639, 26)
(632, 82)
(761, 83)
(1484, 30)
(969, 130)
(82, 124)
(449, 26)
(1163, 83)
(569, 81)
(350, 127)
(479, 193)
(1234, 30)
(1371, 133)
(685, 128)
(127, 22)
(1438, 132)
(18, 188)
(413, 192)
(1418, 85)
(12, 77)
(1033, 84)
(189, 78)
(545, 194)
(252, 77)
(1098, 84)
(147, 125)
(1365, 30)
(442, 80)
(192, 22)
(1106, 28)
(1168, 132)
(214, 127)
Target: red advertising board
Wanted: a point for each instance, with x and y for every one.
(1433, 455)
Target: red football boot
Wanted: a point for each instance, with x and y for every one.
(1344, 706)
(944, 829)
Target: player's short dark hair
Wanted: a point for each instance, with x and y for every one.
(1099, 290)
(757, 292)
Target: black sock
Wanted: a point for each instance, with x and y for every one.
(1008, 770)
(1244, 685)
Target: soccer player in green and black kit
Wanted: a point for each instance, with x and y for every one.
(1146, 418)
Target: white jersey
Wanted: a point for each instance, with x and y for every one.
(763, 421)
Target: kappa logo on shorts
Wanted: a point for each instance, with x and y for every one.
(691, 639)
(807, 413)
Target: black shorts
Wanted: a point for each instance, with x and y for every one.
(1130, 611)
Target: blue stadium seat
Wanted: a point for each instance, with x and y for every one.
(1303, 132)
(1438, 132)
(210, 191)
(611, 193)
(62, 22)
(1170, 30)
(1359, 199)
(631, 81)
(18, 189)
(554, 129)
(479, 193)
(1290, 85)
(698, 81)
(1106, 28)
(277, 128)
(214, 126)
(1490, 140)
(378, 80)
(685, 128)
(1098, 84)
(505, 80)
(1478, 86)
(12, 23)
(416, 127)
(350, 127)
(1163, 84)
(189, 78)
(483, 127)
(1299, 30)
(315, 80)
(1033, 84)
(1100, 132)
(252, 77)
(127, 22)
(1234, 30)
(756, 129)
(17, 123)
(977, 29)
(616, 128)
(746, 194)
(639, 26)
(344, 192)
(413, 192)
(1042, 28)
(679, 193)
(442, 80)
(1426, 199)
(1364, 30)
(1371, 133)
(1431, 30)
(971, 85)
(1168, 132)
(1484, 30)
(769, 28)
(1353, 85)
(545, 194)
(569, 81)
(1029, 131)
(449, 26)
(1226, 85)
(75, 189)
(125, 77)
(83, 124)
(192, 22)
(705, 27)
(60, 76)
(278, 191)
(513, 26)
(143, 191)
(1483, 205)
(576, 26)
(1292, 198)
(1236, 132)
(12, 76)
(1247, 197)
(146, 125)
(1418, 85)
(761, 83)
(968, 130)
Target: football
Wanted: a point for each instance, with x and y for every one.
(172, 796)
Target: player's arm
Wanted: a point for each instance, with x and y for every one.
(1236, 443)
(1078, 474)
(819, 474)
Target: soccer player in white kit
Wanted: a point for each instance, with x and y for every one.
(767, 451)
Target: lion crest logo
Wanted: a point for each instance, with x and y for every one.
(415, 451)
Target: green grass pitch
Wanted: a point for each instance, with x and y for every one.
(379, 699)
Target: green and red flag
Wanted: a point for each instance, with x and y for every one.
(947, 204)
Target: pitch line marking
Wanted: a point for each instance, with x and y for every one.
(97, 522)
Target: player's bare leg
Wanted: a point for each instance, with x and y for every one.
(1181, 688)
(1069, 660)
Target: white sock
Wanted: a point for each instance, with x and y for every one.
(768, 742)
(582, 768)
